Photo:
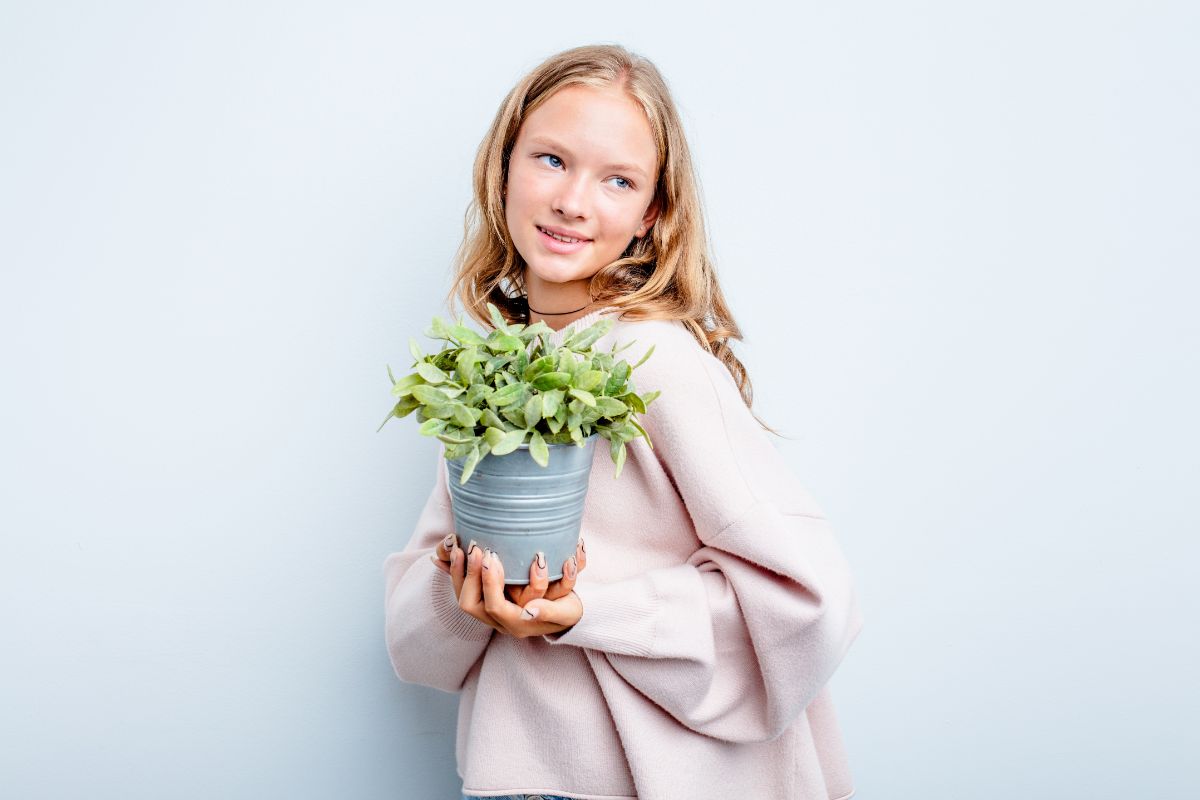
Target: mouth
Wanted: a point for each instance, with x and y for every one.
(560, 237)
(560, 244)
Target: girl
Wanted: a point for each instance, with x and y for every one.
(691, 659)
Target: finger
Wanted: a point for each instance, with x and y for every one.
(470, 599)
(442, 551)
(437, 562)
(497, 606)
(581, 555)
(539, 581)
(563, 586)
(543, 617)
(458, 567)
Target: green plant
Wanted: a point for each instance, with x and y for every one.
(489, 395)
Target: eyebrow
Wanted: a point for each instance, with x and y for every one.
(548, 142)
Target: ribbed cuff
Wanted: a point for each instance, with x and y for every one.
(660, 613)
(446, 607)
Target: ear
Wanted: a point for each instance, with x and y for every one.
(650, 217)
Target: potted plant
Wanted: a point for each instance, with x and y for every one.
(519, 420)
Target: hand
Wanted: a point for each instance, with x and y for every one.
(483, 594)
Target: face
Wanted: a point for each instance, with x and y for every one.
(583, 164)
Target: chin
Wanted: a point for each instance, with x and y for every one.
(550, 272)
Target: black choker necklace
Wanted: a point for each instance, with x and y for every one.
(555, 313)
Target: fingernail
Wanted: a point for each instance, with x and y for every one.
(530, 613)
(486, 558)
(582, 544)
(448, 543)
(470, 547)
(541, 561)
(433, 557)
(571, 567)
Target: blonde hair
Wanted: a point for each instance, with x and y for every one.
(667, 274)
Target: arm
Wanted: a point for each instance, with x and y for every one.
(430, 640)
(736, 642)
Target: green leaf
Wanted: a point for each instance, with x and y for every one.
(513, 393)
(586, 338)
(404, 386)
(391, 377)
(649, 397)
(584, 397)
(493, 436)
(551, 380)
(642, 430)
(616, 449)
(439, 410)
(415, 350)
(469, 465)
(467, 336)
(508, 442)
(588, 379)
(541, 365)
(538, 449)
(643, 359)
(566, 361)
(551, 402)
(431, 373)
(438, 330)
(515, 416)
(611, 407)
(497, 318)
(505, 343)
(479, 392)
(456, 436)
(465, 365)
(463, 416)
(533, 410)
(617, 379)
(428, 395)
(432, 427)
(535, 329)
(635, 402)
(489, 418)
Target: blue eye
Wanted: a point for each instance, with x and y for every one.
(627, 184)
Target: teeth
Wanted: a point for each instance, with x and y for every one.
(560, 238)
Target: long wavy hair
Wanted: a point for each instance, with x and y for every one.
(668, 274)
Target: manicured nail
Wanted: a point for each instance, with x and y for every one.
(470, 547)
(530, 613)
(571, 567)
(541, 561)
(486, 558)
(448, 542)
(582, 545)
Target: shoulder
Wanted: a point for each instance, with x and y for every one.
(673, 355)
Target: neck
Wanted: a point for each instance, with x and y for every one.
(551, 298)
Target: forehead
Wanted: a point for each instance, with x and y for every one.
(605, 126)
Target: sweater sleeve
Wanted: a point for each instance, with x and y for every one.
(738, 640)
(430, 639)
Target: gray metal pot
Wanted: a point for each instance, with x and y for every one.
(517, 507)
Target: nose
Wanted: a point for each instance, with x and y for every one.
(572, 199)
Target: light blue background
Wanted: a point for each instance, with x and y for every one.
(961, 239)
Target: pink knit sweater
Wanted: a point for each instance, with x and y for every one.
(716, 606)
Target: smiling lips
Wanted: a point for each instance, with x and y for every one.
(560, 244)
(563, 236)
